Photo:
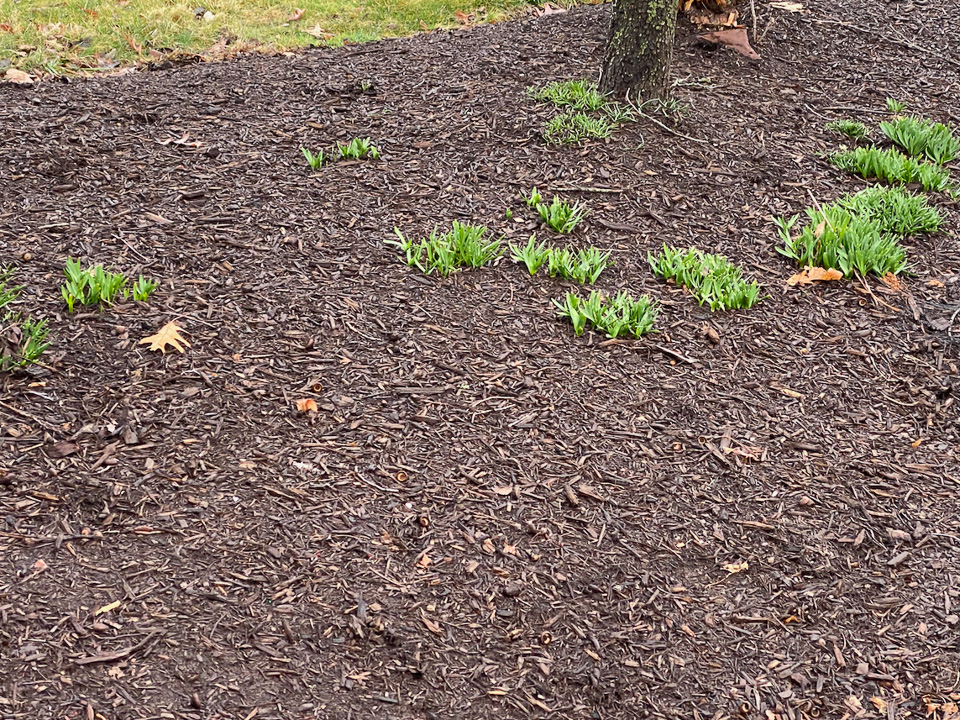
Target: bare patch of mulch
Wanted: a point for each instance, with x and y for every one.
(749, 514)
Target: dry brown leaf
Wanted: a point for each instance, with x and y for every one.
(307, 405)
(935, 283)
(462, 17)
(170, 335)
(18, 77)
(40, 566)
(431, 625)
(735, 38)
(6, 27)
(321, 34)
(809, 274)
(295, 15)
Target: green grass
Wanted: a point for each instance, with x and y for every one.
(616, 316)
(712, 279)
(892, 166)
(570, 128)
(61, 36)
(465, 245)
(893, 210)
(851, 128)
(573, 94)
(839, 239)
(22, 339)
(920, 137)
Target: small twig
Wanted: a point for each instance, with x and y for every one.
(753, 13)
(591, 189)
(675, 355)
(669, 130)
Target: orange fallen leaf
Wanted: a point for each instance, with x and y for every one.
(295, 15)
(307, 405)
(462, 17)
(6, 27)
(935, 283)
(809, 274)
(40, 566)
(169, 334)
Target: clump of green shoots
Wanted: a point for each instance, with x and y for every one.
(143, 288)
(315, 161)
(575, 94)
(584, 266)
(893, 210)
(895, 106)
(616, 316)
(569, 128)
(920, 137)
(22, 339)
(560, 216)
(712, 279)
(893, 167)
(851, 128)
(357, 149)
(533, 254)
(96, 286)
(464, 245)
(839, 239)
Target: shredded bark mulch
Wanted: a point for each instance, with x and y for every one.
(748, 514)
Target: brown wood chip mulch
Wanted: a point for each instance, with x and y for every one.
(750, 514)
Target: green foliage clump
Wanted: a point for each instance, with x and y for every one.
(575, 94)
(463, 246)
(22, 339)
(560, 216)
(533, 254)
(892, 166)
(839, 239)
(712, 279)
(357, 149)
(851, 128)
(584, 266)
(616, 316)
(96, 286)
(893, 210)
(920, 137)
(569, 128)
(896, 106)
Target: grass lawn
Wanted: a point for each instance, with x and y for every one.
(64, 36)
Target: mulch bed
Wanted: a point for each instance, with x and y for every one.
(750, 514)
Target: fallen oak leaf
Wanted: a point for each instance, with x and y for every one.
(169, 334)
(295, 15)
(808, 275)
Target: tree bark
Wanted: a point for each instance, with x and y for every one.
(639, 49)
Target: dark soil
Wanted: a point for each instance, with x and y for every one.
(487, 517)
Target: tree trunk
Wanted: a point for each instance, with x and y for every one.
(639, 49)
